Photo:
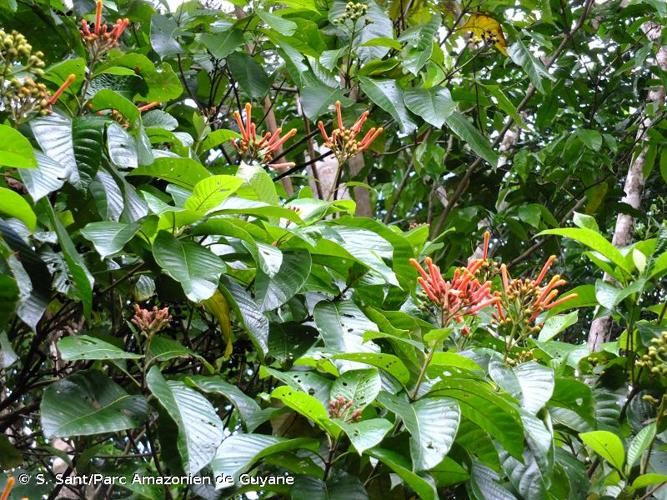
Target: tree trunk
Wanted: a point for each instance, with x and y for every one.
(634, 186)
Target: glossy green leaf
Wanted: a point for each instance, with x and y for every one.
(196, 268)
(200, 430)
(433, 105)
(89, 403)
(85, 347)
(109, 237)
(13, 204)
(464, 129)
(606, 444)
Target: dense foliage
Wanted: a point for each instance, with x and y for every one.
(374, 280)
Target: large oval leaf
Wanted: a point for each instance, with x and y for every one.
(89, 403)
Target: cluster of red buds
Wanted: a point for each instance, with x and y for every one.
(522, 300)
(343, 142)
(102, 38)
(151, 321)
(340, 408)
(262, 149)
(459, 297)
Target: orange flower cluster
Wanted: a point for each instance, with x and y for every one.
(522, 300)
(102, 38)
(461, 296)
(151, 321)
(262, 148)
(343, 140)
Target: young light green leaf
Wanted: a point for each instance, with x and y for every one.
(16, 150)
(556, 324)
(606, 444)
(13, 204)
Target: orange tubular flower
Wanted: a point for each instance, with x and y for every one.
(56, 95)
(523, 300)
(148, 106)
(263, 148)
(102, 38)
(343, 141)
(9, 485)
(461, 296)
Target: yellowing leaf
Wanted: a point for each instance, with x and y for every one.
(217, 305)
(488, 30)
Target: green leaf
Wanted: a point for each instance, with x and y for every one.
(7, 355)
(183, 172)
(122, 148)
(432, 424)
(239, 452)
(109, 237)
(606, 444)
(574, 396)
(82, 278)
(10, 457)
(222, 44)
(365, 434)
(485, 484)
(287, 282)
(639, 444)
(251, 413)
(53, 133)
(530, 383)
(163, 36)
(464, 128)
(16, 150)
(649, 479)
(14, 205)
(342, 326)
(106, 99)
(433, 105)
(195, 267)
(89, 403)
(533, 68)
(310, 382)
(481, 404)
(87, 137)
(422, 485)
(258, 184)
(556, 324)
(525, 476)
(218, 137)
(208, 193)
(359, 386)
(248, 313)
(200, 430)
(387, 362)
(281, 25)
(594, 241)
(592, 139)
(388, 96)
(308, 406)
(49, 176)
(251, 77)
(85, 347)
(163, 348)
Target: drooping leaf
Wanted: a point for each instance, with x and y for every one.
(432, 423)
(89, 403)
(424, 485)
(365, 434)
(272, 292)
(196, 268)
(464, 128)
(388, 96)
(200, 430)
(183, 172)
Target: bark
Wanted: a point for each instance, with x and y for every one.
(600, 330)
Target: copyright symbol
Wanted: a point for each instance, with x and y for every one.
(23, 478)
